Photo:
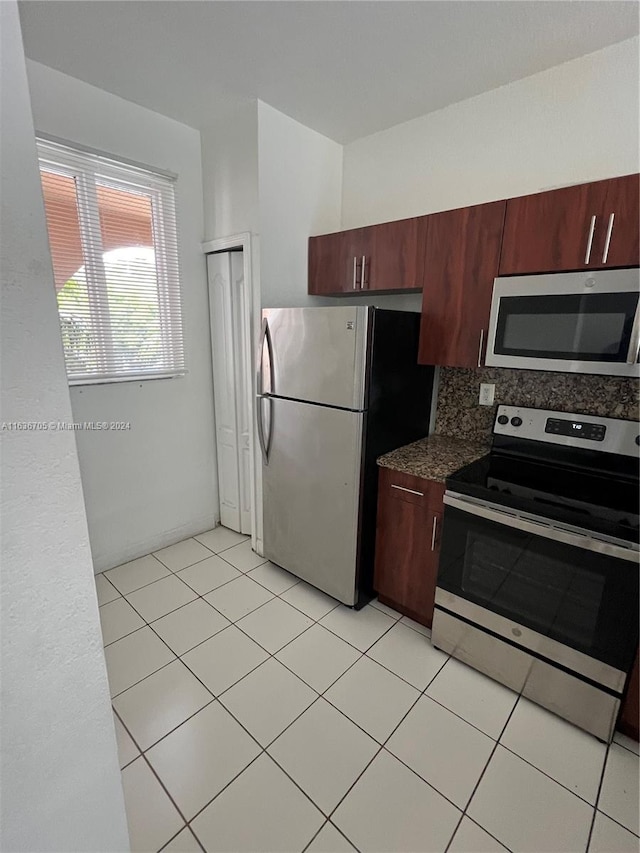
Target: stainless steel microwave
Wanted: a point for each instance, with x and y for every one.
(582, 322)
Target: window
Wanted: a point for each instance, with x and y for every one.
(112, 233)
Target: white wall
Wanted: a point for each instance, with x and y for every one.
(574, 123)
(300, 183)
(230, 172)
(61, 788)
(157, 482)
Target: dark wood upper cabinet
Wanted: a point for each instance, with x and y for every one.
(460, 261)
(393, 263)
(407, 543)
(335, 262)
(379, 257)
(621, 215)
(589, 226)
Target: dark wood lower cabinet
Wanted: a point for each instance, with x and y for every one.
(628, 719)
(407, 543)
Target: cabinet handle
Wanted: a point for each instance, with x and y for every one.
(411, 491)
(433, 532)
(362, 282)
(592, 228)
(480, 348)
(607, 241)
(355, 273)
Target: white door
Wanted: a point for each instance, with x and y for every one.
(227, 303)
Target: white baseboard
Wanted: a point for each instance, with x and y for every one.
(102, 562)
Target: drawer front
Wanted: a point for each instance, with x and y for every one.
(405, 487)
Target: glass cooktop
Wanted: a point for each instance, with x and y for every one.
(600, 502)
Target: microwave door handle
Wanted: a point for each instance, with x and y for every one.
(634, 343)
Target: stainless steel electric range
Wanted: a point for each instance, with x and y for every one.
(538, 578)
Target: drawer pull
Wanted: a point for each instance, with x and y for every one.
(411, 491)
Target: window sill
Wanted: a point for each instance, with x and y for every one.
(141, 377)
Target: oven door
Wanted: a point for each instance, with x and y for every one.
(576, 322)
(559, 585)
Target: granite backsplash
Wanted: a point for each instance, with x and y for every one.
(458, 413)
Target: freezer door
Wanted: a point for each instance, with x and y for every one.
(311, 490)
(315, 354)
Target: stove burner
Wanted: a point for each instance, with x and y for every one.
(562, 479)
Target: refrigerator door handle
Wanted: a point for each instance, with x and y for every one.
(265, 335)
(265, 442)
(259, 383)
(272, 375)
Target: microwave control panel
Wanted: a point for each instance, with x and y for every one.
(576, 429)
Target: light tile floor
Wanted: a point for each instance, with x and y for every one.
(255, 713)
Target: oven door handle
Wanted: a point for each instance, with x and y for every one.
(577, 539)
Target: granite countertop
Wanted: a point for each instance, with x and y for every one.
(434, 457)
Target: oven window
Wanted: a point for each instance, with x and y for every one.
(581, 598)
(574, 327)
(552, 595)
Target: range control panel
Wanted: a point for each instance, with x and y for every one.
(578, 429)
(606, 435)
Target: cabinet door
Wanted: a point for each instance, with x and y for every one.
(550, 231)
(406, 546)
(392, 264)
(618, 242)
(460, 262)
(570, 228)
(335, 262)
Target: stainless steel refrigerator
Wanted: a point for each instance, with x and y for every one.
(337, 387)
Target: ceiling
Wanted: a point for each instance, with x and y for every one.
(345, 69)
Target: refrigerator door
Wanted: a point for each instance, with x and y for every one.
(311, 487)
(315, 354)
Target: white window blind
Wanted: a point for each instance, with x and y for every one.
(112, 232)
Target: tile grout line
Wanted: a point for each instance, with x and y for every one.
(271, 655)
(544, 773)
(480, 778)
(628, 749)
(595, 807)
(361, 654)
(171, 571)
(215, 698)
(291, 723)
(382, 747)
(265, 749)
(188, 829)
(365, 654)
(179, 657)
(329, 822)
(160, 782)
